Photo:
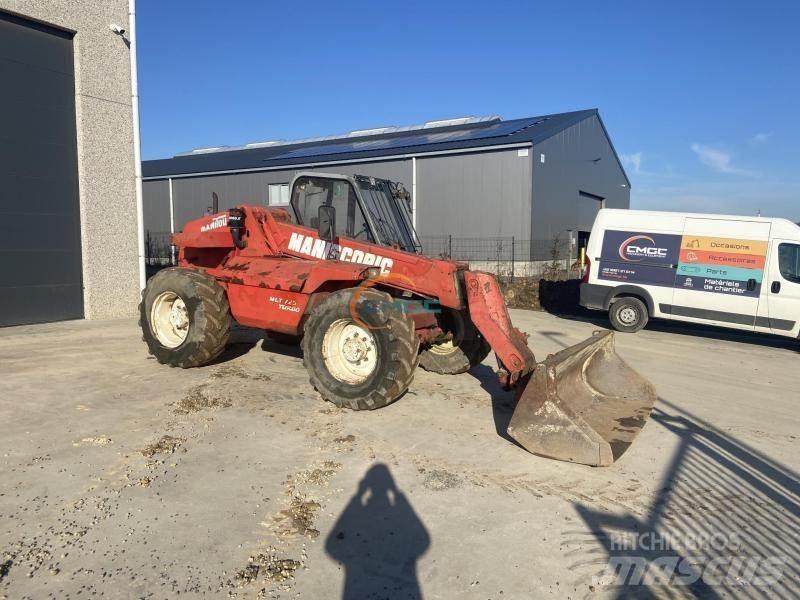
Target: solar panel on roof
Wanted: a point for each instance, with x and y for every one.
(496, 130)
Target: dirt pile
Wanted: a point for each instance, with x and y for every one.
(166, 445)
(266, 566)
(199, 398)
(521, 293)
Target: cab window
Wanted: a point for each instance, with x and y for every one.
(789, 261)
(309, 193)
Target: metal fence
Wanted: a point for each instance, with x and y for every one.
(508, 257)
(157, 248)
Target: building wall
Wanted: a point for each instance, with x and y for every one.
(481, 194)
(105, 148)
(191, 196)
(155, 200)
(484, 194)
(569, 168)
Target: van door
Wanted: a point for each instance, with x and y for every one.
(641, 260)
(720, 271)
(783, 295)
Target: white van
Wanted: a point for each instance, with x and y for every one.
(738, 272)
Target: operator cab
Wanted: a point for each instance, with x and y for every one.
(361, 208)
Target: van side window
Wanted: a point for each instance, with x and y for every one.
(789, 261)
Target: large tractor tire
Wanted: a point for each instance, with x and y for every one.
(464, 351)
(185, 318)
(360, 349)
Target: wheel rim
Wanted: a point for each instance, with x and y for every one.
(455, 324)
(169, 319)
(444, 348)
(628, 315)
(349, 352)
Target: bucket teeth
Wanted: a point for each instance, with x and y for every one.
(583, 404)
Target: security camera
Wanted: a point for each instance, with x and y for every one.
(118, 29)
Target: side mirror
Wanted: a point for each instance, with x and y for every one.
(326, 222)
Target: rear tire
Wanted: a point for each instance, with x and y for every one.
(467, 349)
(360, 349)
(185, 318)
(628, 314)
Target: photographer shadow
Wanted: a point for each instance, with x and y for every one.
(378, 539)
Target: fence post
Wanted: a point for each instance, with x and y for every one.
(512, 257)
(449, 246)
(569, 254)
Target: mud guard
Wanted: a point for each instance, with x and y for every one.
(583, 404)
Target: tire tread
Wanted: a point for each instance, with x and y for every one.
(402, 354)
(216, 310)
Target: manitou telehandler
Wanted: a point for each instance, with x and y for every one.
(342, 267)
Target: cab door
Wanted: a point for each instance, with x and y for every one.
(783, 293)
(720, 272)
(310, 192)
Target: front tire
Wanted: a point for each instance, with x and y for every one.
(628, 314)
(185, 318)
(360, 349)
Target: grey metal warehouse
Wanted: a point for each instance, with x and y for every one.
(475, 181)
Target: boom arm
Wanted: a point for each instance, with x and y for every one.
(490, 315)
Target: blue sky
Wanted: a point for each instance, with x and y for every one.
(700, 98)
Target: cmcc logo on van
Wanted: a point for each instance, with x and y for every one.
(638, 247)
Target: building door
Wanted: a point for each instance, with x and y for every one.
(40, 237)
(720, 271)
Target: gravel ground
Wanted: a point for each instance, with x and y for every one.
(123, 478)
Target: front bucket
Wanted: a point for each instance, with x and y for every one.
(583, 404)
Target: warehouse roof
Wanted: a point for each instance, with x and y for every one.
(383, 142)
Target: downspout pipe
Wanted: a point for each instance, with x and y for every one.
(414, 191)
(137, 149)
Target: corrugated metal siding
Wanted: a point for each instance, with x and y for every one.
(193, 196)
(485, 194)
(155, 200)
(569, 168)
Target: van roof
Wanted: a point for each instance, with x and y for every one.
(792, 227)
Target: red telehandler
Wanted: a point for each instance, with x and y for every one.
(342, 267)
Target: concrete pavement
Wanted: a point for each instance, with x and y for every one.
(121, 477)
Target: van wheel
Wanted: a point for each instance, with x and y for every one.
(628, 315)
